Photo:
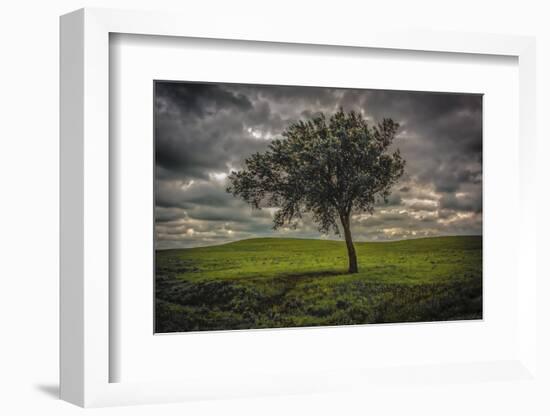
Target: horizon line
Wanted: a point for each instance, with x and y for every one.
(321, 239)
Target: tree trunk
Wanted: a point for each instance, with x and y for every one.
(349, 244)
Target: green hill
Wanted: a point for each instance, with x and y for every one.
(273, 282)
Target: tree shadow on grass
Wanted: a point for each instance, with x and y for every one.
(296, 277)
(312, 274)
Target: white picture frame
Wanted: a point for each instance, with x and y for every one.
(85, 355)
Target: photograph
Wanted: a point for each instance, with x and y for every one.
(280, 206)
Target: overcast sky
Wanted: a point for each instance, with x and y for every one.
(203, 131)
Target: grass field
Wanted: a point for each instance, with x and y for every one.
(273, 282)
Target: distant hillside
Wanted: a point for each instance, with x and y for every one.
(278, 241)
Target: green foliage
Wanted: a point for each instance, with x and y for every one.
(270, 283)
(329, 168)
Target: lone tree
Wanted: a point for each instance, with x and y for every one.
(330, 168)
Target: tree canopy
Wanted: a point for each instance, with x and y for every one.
(328, 167)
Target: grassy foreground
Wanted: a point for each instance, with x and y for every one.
(272, 282)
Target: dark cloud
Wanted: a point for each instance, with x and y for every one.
(202, 131)
(461, 202)
(198, 99)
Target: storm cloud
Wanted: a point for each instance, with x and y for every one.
(204, 131)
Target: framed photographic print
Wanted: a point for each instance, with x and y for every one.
(279, 213)
(289, 206)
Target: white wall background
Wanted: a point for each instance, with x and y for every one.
(29, 210)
